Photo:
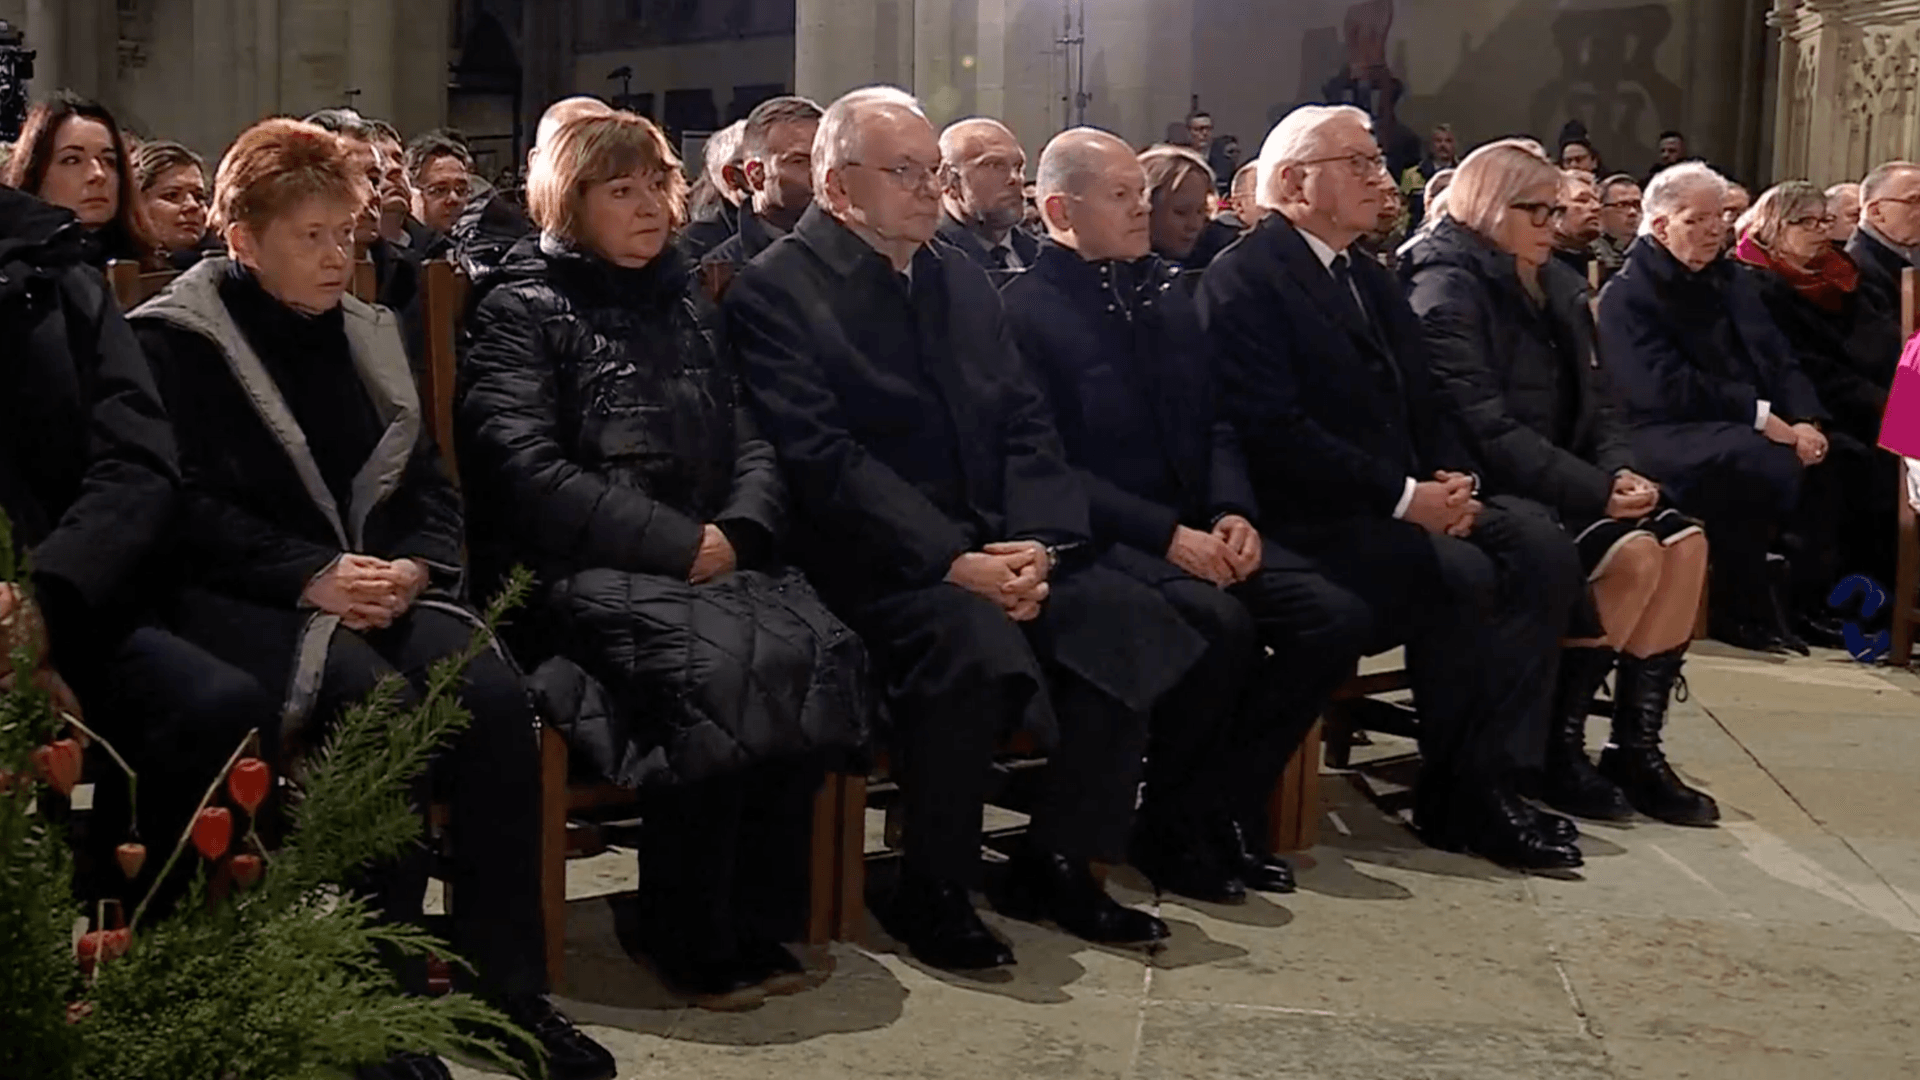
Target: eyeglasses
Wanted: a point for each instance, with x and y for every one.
(1538, 212)
(1822, 222)
(1362, 165)
(446, 191)
(1623, 204)
(909, 177)
(1911, 200)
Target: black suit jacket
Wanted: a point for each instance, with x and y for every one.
(907, 427)
(957, 234)
(1878, 317)
(1333, 416)
(1119, 350)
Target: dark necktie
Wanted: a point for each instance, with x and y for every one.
(1000, 256)
(1342, 272)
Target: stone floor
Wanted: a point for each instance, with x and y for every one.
(1785, 943)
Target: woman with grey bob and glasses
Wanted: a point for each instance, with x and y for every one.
(1511, 339)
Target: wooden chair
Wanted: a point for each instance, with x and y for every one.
(1906, 581)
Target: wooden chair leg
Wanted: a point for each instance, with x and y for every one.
(1295, 811)
(850, 912)
(823, 863)
(553, 850)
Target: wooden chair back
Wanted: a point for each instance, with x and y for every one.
(444, 300)
(1906, 581)
(133, 286)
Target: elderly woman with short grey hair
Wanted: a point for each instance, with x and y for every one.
(1720, 412)
(1811, 288)
(1510, 337)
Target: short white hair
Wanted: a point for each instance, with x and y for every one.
(837, 142)
(724, 147)
(1295, 139)
(1674, 185)
(1880, 177)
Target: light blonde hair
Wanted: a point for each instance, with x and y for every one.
(593, 150)
(1492, 177)
(1776, 206)
(1169, 166)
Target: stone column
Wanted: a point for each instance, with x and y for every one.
(266, 57)
(371, 28)
(213, 119)
(420, 80)
(546, 59)
(843, 44)
(46, 30)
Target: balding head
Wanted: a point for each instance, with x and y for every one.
(876, 165)
(1890, 202)
(1093, 195)
(1843, 202)
(982, 172)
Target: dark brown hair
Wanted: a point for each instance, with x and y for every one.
(33, 156)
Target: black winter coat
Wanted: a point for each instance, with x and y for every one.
(260, 513)
(1536, 404)
(1836, 350)
(483, 233)
(911, 434)
(1685, 346)
(601, 428)
(1119, 350)
(88, 476)
(736, 251)
(968, 243)
(1333, 416)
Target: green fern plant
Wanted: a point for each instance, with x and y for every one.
(282, 980)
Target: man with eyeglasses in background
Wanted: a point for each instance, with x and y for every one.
(1356, 463)
(441, 169)
(935, 513)
(983, 194)
(1619, 222)
(1887, 242)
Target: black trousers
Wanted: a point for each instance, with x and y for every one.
(490, 776)
(1481, 618)
(175, 712)
(724, 862)
(961, 675)
(1744, 488)
(1222, 737)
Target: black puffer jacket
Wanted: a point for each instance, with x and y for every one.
(601, 428)
(1536, 403)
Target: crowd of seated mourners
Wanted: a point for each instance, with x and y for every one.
(833, 455)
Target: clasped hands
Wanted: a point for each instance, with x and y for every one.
(1011, 573)
(1226, 556)
(1808, 442)
(1633, 497)
(366, 592)
(1445, 504)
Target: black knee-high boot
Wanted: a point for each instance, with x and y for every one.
(1571, 785)
(1634, 760)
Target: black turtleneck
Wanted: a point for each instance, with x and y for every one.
(310, 361)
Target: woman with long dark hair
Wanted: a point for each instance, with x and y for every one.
(72, 153)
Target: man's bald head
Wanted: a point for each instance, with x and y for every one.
(1093, 195)
(982, 173)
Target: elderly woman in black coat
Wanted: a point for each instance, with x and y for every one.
(321, 540)
(1812, 290)
(605, 444)
(1511, 338)
(1719, 410)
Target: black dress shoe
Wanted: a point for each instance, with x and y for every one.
(1820, 631)
(1507, 835)
(1258, 871)
(935, 920)
(571, 1054)
(406, 1065)
(1749, 634)
(1553, 828)
(1184, 864)
(1044, 886)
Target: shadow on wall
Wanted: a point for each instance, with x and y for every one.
(1602, 68)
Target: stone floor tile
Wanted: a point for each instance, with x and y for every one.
(1761, 985)
(1858, 803)
(1681, 1059)
(1186, 1041)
